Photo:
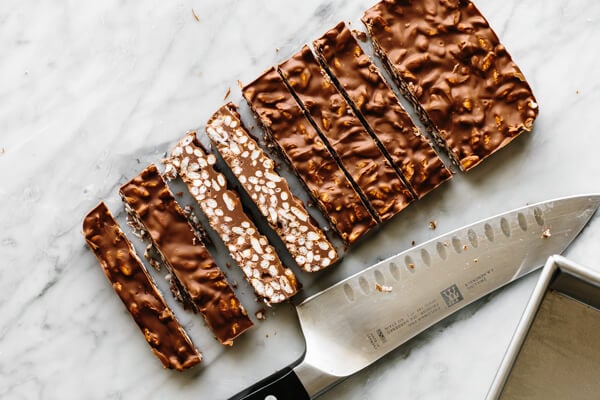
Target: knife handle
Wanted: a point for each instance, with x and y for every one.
(282, 385)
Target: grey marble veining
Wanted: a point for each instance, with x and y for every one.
(92, 92)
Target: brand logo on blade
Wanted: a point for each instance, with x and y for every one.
(451, 295)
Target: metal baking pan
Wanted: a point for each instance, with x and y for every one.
(555, 352)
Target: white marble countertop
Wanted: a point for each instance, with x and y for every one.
(92, 92)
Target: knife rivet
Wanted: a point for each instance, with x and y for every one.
(349, 292)
(489, 232)
(441, 250)
(537, 213)
(364, 285)
(473, 238)
(426, 257)
(522, 221)
(270, 397)
(505, 227)
(394, 271)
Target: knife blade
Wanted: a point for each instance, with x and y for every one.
(353, 323)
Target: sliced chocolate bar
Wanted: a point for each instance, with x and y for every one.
(201, 283)
(356, 150)
(137, 290)
(450, 64)
(290, 132)
(262, 267)
(270, 192)
(361, 82)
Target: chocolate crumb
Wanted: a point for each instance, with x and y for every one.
(546, 233)
(227, 93)
(276, 49)
(413, 243)
(179, 194)
(383, 288)
(465, 247)
(240, 84)
(195, 15)
(432, 225)
(228, 264)
(360, 35)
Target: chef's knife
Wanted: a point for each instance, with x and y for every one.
(360, 319)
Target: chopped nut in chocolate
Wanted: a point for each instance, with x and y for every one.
(137, 290)
(353, 146)
(258, 260)
(362, 83)
(291, 133)
(270, 192)
(460, 78)
(200, 282)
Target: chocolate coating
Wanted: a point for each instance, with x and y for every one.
(137, 291)
(292, 134)
(152, 204)
(269, 191)
(363, 84)
(463, 82)
(252, 252)
(357, 151)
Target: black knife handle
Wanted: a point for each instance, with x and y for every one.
(282, 385)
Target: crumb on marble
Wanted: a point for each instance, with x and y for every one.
(476, 260)
(227, 93)
(260, 315)
(577, 91)
(240, 84)
(195, 15)
(546, 233)
(465, 247)
(413, 243)
(383, 288)
(432, 225)
(276, 49)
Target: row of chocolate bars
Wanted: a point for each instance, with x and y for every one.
(341, 129)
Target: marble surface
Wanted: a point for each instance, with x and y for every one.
(92, 92)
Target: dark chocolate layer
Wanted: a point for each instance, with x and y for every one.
(152, 204)
(258, 260)
(357, 151)
(137, 291)
(292, 134)
(363, 84)
(269, 191)
(463, 82)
